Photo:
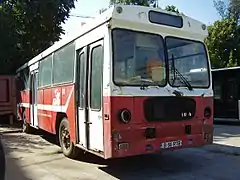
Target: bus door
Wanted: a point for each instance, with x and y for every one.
(90, 76)
(33, 88)
(230, 98)
(82, 71)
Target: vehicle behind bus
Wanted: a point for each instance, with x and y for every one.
(226, 94)
(136, 80)
(7, 98)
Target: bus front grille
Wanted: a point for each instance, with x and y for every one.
(169, 108)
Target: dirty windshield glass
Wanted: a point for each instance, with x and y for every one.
(189, 58)
(138, 58)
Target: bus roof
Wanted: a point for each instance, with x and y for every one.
(226, 69)
(130, 13)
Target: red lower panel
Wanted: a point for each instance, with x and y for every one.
(45, 121)
(27, 114)
(133, 133)
(153, 146)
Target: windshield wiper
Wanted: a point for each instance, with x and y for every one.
(146, 83)
(175, 70)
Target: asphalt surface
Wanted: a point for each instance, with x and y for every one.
(35, 157)
(2, 161)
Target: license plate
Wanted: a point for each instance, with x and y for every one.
(171, 144)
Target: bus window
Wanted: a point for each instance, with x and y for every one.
(96, 77)
(133, 52)
(217, 89)
(190, 59)
(230, 90)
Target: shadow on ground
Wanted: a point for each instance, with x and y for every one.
(16, 141)
(13, 170)
(149, 166)
(172, 164)
(9, 168)
(190, 162)
(2, 161)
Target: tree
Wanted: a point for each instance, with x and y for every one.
(134, 2)
(230, 10)
(223, 43)
(234, 9)
(8, 40)
(32, 26)
(172, 9)
(221, 8)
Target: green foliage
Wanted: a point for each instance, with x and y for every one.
(223, 43)
(29, 27)
(230, 10)
(221, 8)
(134, 2)
(172, 9)
(234, 9)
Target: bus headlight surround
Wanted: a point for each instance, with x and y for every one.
(124, 116)
(119, 9)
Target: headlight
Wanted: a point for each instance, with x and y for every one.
(124, 115)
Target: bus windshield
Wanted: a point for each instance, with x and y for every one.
(138, 58)
(189, 58)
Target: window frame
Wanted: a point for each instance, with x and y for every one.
(73, 69)
(20, 77)
(151, 19)
(82, 101)
(40, 72)
(94, 46)
(164, 52)
(206, 56)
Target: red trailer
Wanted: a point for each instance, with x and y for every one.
(7, 97)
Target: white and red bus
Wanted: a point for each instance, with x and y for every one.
(135, 80)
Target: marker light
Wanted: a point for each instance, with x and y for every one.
(204, 27)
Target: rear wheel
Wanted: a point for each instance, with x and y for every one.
(26, 128)
(68, 147)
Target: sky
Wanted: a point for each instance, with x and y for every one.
(202, 10)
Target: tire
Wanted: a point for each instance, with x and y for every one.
(26, 128)
(68, 148)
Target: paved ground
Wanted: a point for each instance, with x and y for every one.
(33, 157)
(2, 161)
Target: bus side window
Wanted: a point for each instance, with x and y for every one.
(82, 83)
(217, 89)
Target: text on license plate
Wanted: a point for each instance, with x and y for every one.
(171, 144)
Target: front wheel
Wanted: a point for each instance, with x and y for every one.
(68, 147)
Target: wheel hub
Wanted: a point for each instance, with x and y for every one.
(65, 138)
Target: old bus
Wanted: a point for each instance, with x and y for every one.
(135, 80)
